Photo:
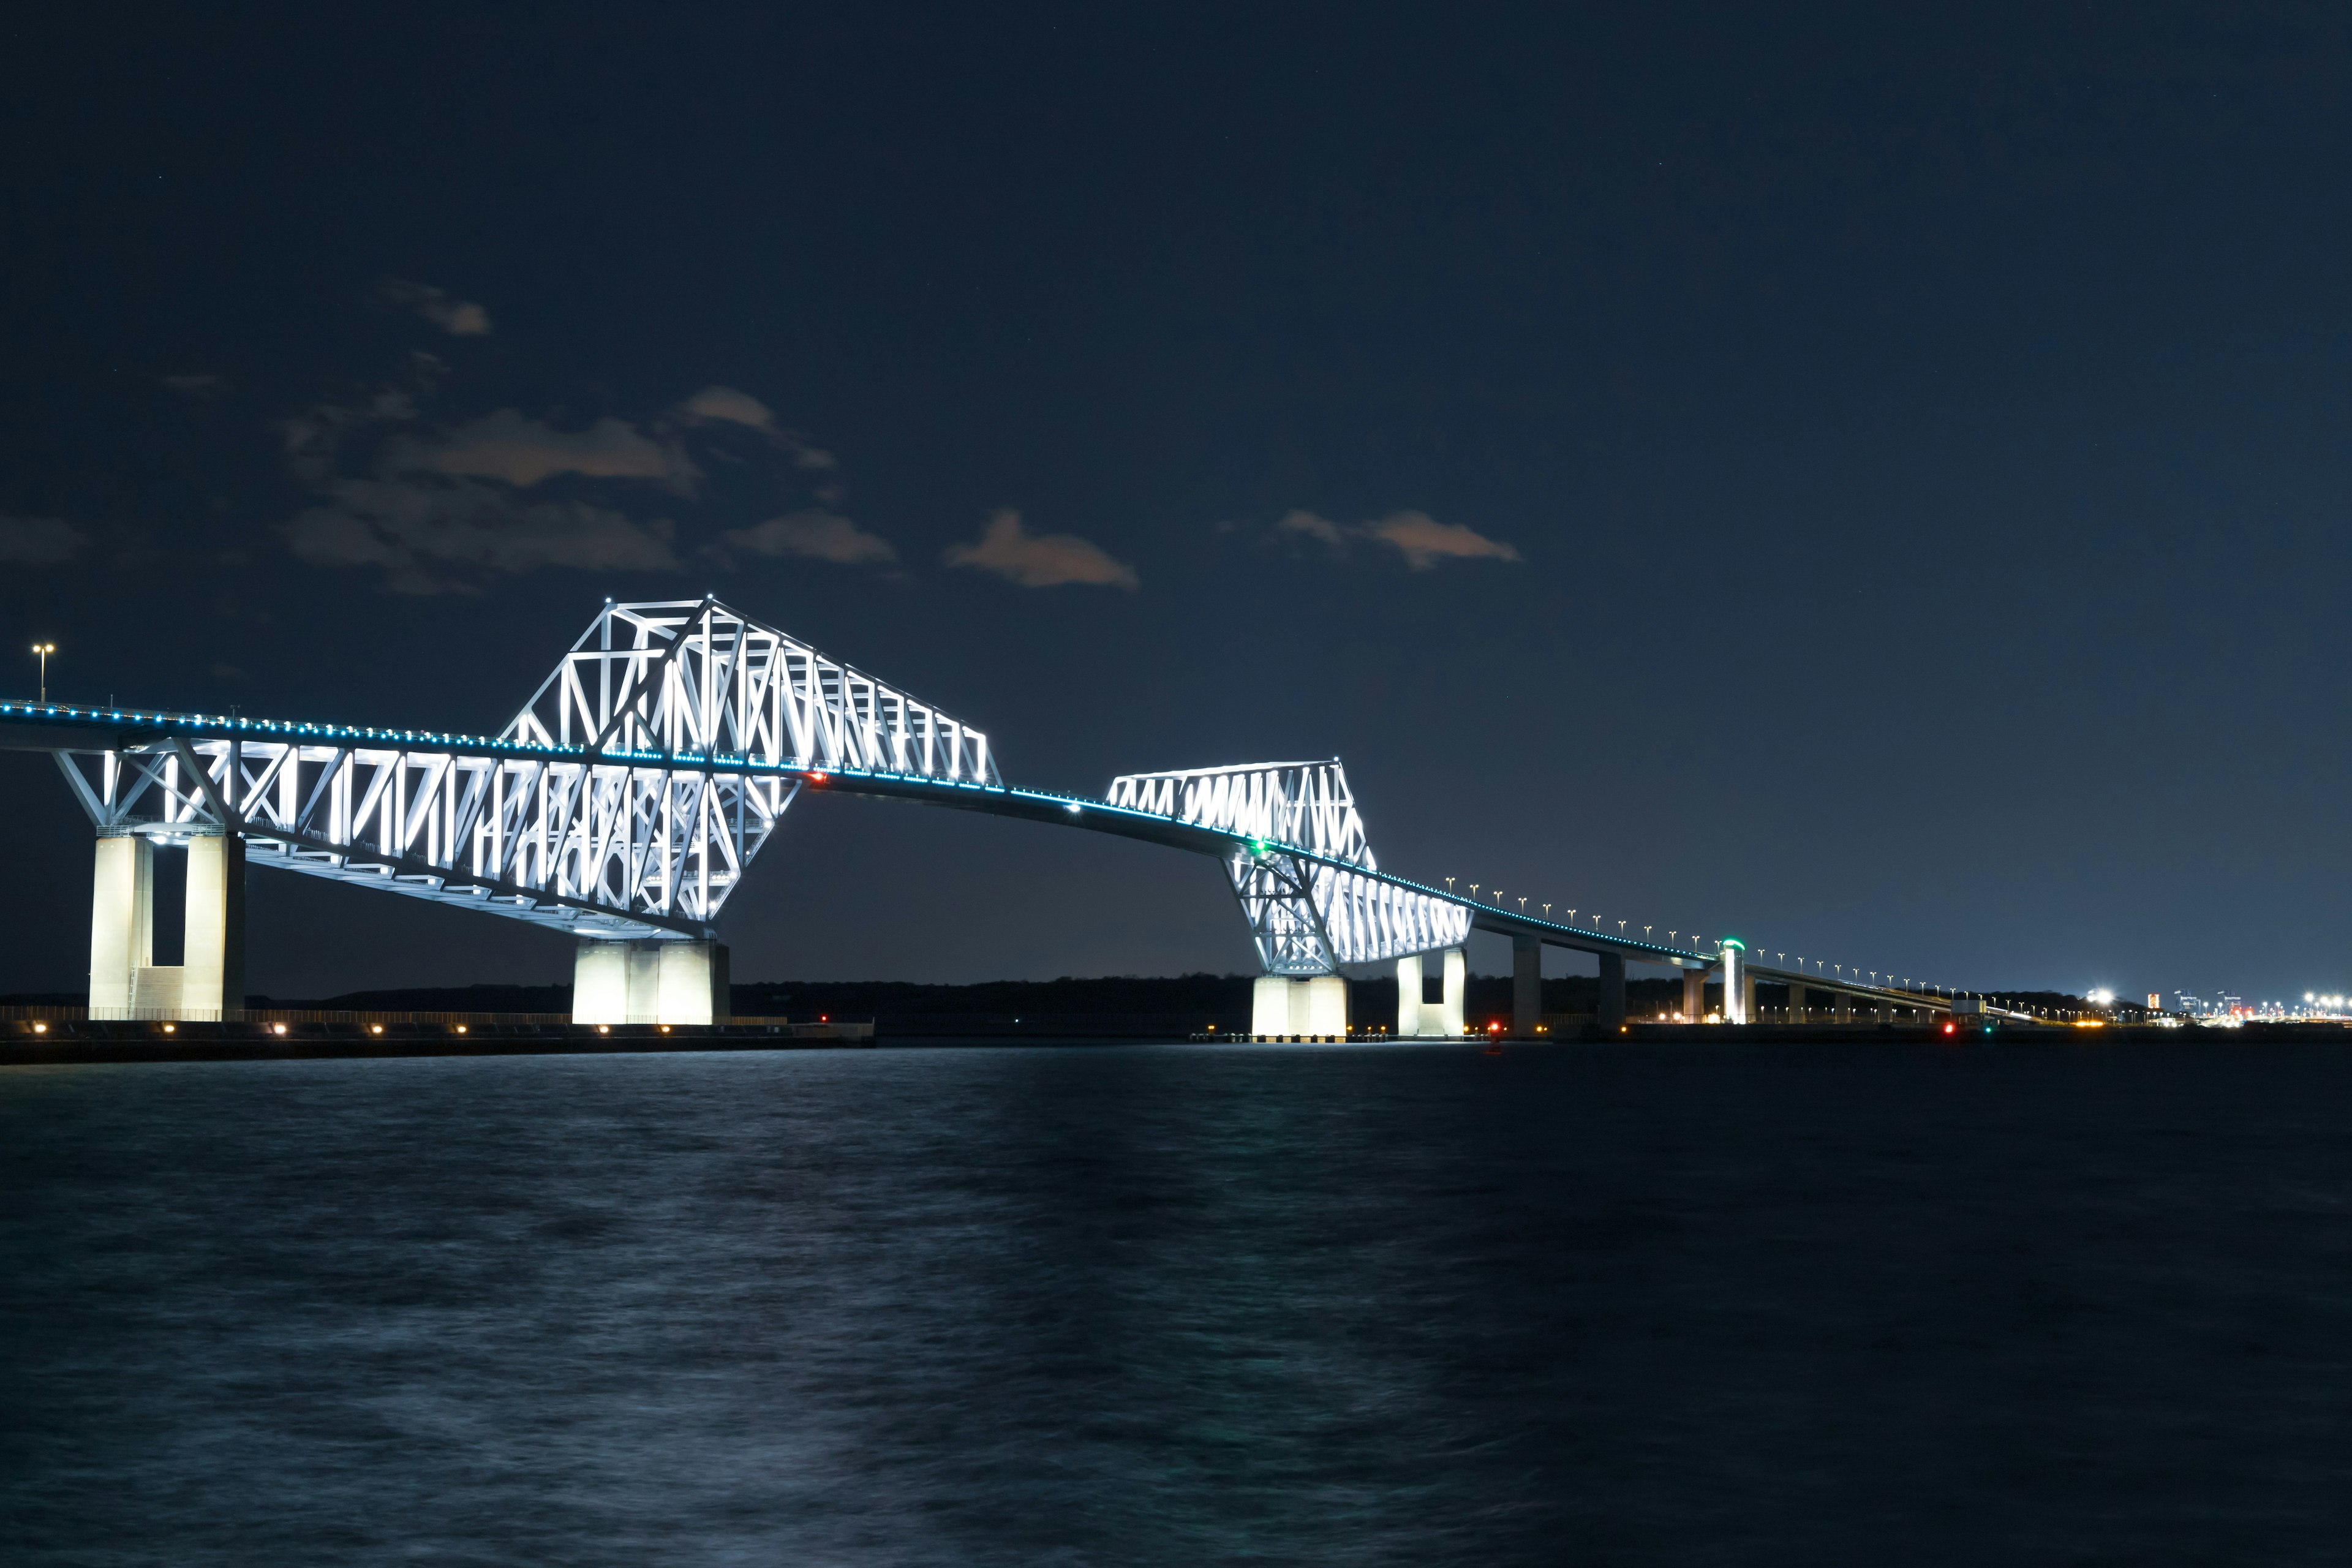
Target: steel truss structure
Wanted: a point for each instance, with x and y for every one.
(625, 800)
(1301, 874)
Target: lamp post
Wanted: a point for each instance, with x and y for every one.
(43, 650)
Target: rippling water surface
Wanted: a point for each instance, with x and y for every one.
(1822, 1304)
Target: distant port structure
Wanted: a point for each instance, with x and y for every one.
(628, 796)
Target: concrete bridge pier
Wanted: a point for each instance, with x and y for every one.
(650, 982)
(1416, 1017)
(208, 983)
(1738, 984)
(1694, 994)
(1612, 991)
(1796, 1002)
(1526, 986)
(1316, 1005)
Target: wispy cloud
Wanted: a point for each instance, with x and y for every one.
(41, 541)
(458, 318)
(1420, 539)
(521, 451)
(1314, 527)
(1040, 560)
(816, 536)
(1425, 542)
(726, 405)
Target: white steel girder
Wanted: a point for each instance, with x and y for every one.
(1299, 879)
(606, 808)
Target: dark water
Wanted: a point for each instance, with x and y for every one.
(1832, 1304)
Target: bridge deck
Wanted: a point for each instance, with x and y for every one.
(59, 728)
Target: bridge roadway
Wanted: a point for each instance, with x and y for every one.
(59, 728)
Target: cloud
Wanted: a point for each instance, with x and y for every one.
(433, 537)
(458, 318)
(727, 403)
(817, 536)
(522, 451)
(1425, 542)
(1039, 560)
(1314, 527)
(729, 407)
(40, 540)
(198, 386)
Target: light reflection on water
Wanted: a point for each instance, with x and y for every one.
(1184, 1304)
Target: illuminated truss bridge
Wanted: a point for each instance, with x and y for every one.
(627, 798)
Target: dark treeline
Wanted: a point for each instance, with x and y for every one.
(1180, 1004)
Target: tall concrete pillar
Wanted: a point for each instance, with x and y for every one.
(211, 964)
(1845, 1008)
(1612, 991)
(1746, 995)
(1526, 986)
(1738, 991)
(650, 982)
(1796, 1002)
(1408, 1022)
(1695, 995)
(1457, 982)
(121, 924)
(125, 981)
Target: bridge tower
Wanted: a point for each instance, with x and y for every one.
(207, 984)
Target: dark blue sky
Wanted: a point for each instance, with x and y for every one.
(1871, 482)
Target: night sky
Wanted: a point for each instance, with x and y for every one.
(1872, 482)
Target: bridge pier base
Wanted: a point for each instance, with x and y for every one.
(1314, 1006)
(1695, 995)
(1612, 991)
(1526, 986)
(125, 981)
(1796, 1002)
(1747, 996)
(650, 982)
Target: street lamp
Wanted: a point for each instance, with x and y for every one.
(44, 649)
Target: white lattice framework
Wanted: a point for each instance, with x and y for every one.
(626, 799)
(1299, 877)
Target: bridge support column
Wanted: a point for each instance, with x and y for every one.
(1316, 1006)
(1612, 991)
(125, 981)
(1739, 990)
(1796, 1002)
(1695, 995)
(650, 982)
(121, 924)
(1845, 1008)
(1526, 986)
(1408, 1023)
(1747, 996)
(1457, 983)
